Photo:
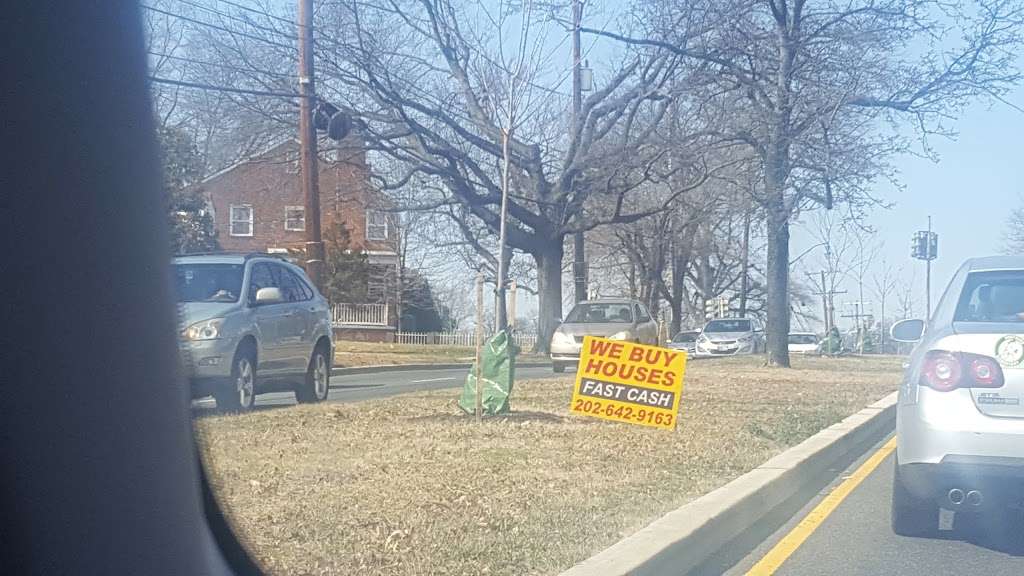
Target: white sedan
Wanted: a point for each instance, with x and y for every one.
(803, 343)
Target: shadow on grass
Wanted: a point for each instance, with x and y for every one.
(204, 411)
(518, 416)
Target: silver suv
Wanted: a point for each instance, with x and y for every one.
(960, 418)
(252, 324)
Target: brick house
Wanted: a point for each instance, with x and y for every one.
(258, 206)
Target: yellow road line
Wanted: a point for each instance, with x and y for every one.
(785, 547)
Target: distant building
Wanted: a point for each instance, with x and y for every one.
(258, 206)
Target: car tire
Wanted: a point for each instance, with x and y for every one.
(317, 383)
(558, 367)
(239, 392)
(911, 516)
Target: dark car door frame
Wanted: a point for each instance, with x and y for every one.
(102, 474)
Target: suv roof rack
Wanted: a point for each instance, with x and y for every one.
(246, 255)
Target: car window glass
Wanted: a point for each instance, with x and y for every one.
(992, 297)
(728, 326)
(260, 277)
(641, 314)
(290, 290)
(300, 291)
(196, 282)
(601, 313)
(307, 291)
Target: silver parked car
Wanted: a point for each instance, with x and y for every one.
(960, 418)
(251, 324)
(730, 336)
(618, 319)
(685, 340)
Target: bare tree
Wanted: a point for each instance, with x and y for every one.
(422, 77)
(813, 85)
(885, 281)
(1013, 239)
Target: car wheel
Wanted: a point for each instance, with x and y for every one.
(318, 379)
(239, 393)
(558, 367)
(910, 515)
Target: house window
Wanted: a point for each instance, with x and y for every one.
(295, 218)
(376, 225)
(241, 220)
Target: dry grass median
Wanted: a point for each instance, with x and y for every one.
(408, 485)
(348, 353)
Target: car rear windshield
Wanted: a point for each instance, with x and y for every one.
(601, 314)
(728, 326)
(685, 337)
(803, 339)
(996, 296)
(208, 282)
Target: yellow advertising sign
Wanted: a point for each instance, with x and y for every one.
(629, 382)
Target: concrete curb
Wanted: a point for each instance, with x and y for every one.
(686, 537)
(413, 367)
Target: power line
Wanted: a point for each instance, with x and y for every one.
(217, 27)
(225, 66)
(256, 11)
(201, 86)
(239, 19)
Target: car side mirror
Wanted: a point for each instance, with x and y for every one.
(907, 330)
(268, 295)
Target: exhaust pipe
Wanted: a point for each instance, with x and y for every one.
(956, 496)
(974, 498)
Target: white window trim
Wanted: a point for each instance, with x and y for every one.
(387, 227)
(232, 220)
(286, 209)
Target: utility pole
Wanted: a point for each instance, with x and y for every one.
(928, 274)
(824, 300)
(925, 246)
(744, 280)
(579, 260)
(310, 174)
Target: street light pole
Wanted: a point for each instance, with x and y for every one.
(928, 273)
(310, 174)
(579, 263)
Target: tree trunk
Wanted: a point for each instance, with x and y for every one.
(549, 293)
(778, 287)
(745, 279)
(676, 304)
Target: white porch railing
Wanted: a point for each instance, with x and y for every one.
(361, 315)
(525, 340)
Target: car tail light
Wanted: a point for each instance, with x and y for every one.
(946, 371)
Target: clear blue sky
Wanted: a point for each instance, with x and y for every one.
(979, 178)
(969, 192)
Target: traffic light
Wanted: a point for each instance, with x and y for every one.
(710, 308)
(918, 245)
(924, 245)
(933, 246)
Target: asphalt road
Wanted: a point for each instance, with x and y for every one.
(856, 538)
(355, 387)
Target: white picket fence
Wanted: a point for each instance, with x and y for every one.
(360, 315)
(525, 340)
